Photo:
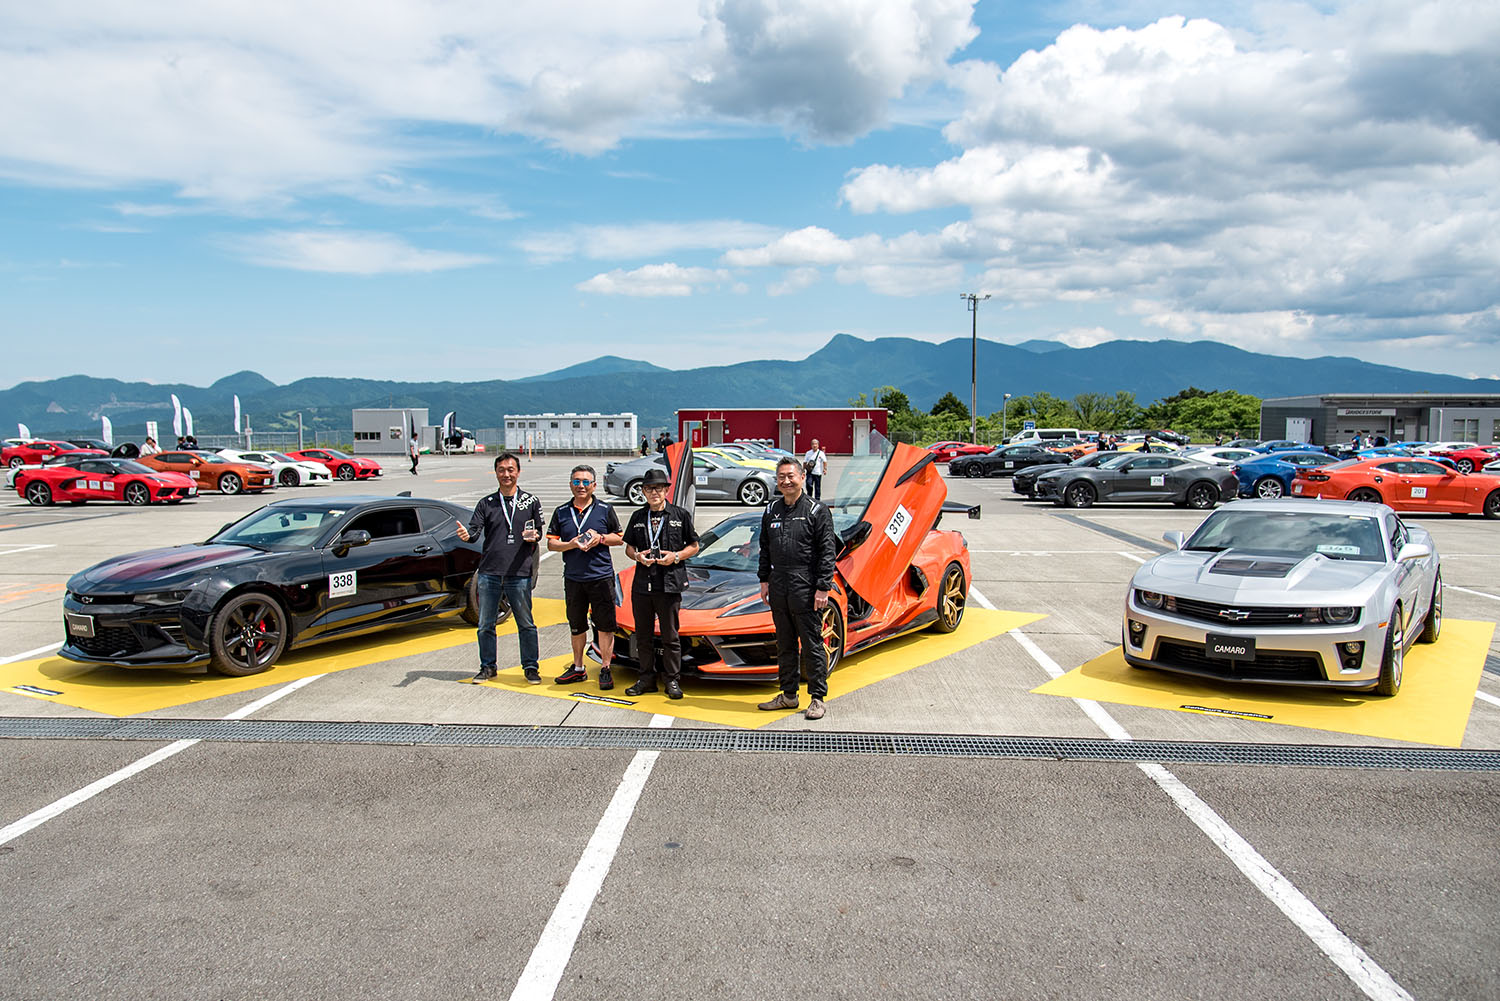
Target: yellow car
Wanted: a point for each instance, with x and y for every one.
(735, 456)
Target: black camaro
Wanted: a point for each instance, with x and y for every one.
(1024, 480)
(1003, 461)
(292, 573)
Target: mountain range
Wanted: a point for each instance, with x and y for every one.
(842, 369)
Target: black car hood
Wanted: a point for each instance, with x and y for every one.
(160, 567)
(709, 588)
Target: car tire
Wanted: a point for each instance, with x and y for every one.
(973, 470)
(1202, 496)
(1268, 488)
(38, 494)
(952, 597)
(1492, 505)
(289, 478)
(16, 460)
(1365, 495)
(1465, 466)
(753, 493)
(1432, 628)
(137, 494)
(247, 635)
(471, 601)
(635, 493)
(230, 484)
(833, 635)
(346, 472)
(1392, 658)
(1079, 495)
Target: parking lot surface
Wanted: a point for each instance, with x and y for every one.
(540, 847)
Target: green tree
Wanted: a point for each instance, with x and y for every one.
(950, 404)
(892, 399)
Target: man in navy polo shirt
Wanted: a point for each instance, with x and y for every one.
(583, 530)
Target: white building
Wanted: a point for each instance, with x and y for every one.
(382, 430)
(572, 432)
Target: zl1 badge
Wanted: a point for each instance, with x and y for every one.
(342, 583)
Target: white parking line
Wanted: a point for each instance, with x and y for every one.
(12, 550)
(1131, 556)
(31, 653)
(1487, 698)
(1481, 594)
(38, 817)
(1366, 974)
(555, 948)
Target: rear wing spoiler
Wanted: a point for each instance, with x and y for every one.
(954, 507)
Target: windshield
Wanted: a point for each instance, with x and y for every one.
(734, 543)
(279, 457)
(64, 446)
(1118, 460)
(336, 453)
(280, 527)
(1292, 533)
(126, 466)
(849, 486)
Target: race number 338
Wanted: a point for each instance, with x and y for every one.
(342, 583)
(900, 522)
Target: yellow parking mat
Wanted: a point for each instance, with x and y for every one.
(127, 691)
(1438, 683)
(732, 703)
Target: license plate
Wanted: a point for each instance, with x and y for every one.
(1296, 488)
(80, 625)
(1009, 465)
(1238, 648)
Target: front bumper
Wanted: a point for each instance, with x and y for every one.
(751, 655)
(1315, 656)
(126, 634)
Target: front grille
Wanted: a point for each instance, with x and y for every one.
(109, 641)
(1267, 666)
(1208, 611)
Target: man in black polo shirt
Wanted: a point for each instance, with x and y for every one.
(583, 530)
(659, 538)
(510, 521)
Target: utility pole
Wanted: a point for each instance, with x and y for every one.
(972, 301)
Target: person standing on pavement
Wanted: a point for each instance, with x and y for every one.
(510, 523)
(411, 451)
(797, 550)
(659, 538)
(583, 530)
(815, 462)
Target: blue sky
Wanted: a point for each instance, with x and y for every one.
(471, 191)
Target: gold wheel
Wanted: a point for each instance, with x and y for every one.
(833, 634)
(952, 597)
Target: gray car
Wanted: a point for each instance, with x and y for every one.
(713, 478)
(1289, 592)
(1137, 477)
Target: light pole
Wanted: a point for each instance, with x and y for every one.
(1004, 416)
(972, 300)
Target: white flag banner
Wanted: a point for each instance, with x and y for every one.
(187, 421)
(176, 416)
(109, 432)
(236, 415)
(23, 431)
(450, 426)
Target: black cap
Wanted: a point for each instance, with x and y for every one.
(655, 475)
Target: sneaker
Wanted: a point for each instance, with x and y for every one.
(815, 709)
(533, 676)
(642, 687)
(674, 690)
(485, 674)
(781, 701)
(606, 680)
(572, 676)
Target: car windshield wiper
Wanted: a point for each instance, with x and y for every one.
(242, 542)
(1204, 549)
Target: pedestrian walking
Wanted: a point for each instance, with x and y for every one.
(583, 530)
(814, 463)
(645, 445)
(659, 538)
(412, 451)
(509, 521)
(797, 548)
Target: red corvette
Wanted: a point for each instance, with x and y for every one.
(106, 479)
(1404, 483)
(947, 451)
(896, 571)
(34, 453)
(344, 467)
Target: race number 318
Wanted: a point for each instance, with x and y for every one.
(899, 523)
(342, 583)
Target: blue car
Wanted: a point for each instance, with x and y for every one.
(1271, 475)
(1285, 446)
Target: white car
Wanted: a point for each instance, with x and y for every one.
(1219, 456)
(289, 472)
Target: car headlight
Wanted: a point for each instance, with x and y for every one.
(1150, 599)
(749, 608)
(1339, 615)
(160, 598)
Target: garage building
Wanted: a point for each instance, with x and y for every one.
(1335, 418)
(572, 432)
(840, 430)
(382, 430)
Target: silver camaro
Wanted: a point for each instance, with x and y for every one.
(1289, 592)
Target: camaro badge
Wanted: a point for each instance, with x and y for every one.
(1233, 614)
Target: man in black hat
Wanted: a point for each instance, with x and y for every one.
(659, 537)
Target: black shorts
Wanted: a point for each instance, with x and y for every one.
(590, 599)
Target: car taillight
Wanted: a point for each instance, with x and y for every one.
(1312, 476)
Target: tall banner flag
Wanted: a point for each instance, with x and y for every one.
(684, 486)
(450, 427)
(176, 416)
(236, 414)
(411, 427)
(23, 431)
(187, 421)
(109, 431)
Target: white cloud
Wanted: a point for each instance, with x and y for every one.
(642, 240)
(346, 253)
(656, 280)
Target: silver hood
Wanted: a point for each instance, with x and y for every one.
(1238, 577)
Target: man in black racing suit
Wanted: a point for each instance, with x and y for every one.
(797, 550)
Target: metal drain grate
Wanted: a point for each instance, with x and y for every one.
(763, 741)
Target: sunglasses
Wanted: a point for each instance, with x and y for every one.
(583, 483)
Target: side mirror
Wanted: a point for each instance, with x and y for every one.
(1413, 551)
(350, 539)
(1174, 538)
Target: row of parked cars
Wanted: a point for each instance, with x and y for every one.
(48, 471)
(740, 473)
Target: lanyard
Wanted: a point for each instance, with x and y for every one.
(654, 536)
(509, 512)
(578, 522)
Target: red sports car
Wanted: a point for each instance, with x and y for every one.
(34, 453)
(896, 571)
(212, 472)
(103, 479)
(344, 467)
(1469, 459)
(946, 451)
(1404, 483)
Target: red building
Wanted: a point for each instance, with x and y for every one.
(840, 430)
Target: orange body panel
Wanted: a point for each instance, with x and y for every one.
(207, 475)
(1451, 492)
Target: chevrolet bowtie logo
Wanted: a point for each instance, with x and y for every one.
(85, 599)
(1234, 614)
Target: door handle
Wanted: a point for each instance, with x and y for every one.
(422, 549)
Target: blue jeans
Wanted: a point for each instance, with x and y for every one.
(517, 592)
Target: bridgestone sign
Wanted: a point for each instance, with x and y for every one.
(1367, 412)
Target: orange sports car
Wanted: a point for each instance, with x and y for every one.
(212, 472)
(897, 571)
(1406, 483)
